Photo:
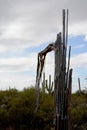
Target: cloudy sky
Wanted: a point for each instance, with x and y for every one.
(27, 27)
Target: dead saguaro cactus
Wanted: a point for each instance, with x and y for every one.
(62, 78)
(40, 66)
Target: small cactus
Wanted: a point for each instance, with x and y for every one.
(47, 85)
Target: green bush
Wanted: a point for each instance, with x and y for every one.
(17, 110)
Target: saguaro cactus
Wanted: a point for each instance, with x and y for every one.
(62, 78)
(49, 86)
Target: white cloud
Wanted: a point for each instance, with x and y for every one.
(17, 81)
(79, 46)
(26, 23)
(79, 60)
(31, 23)
(18, 72)
(13, 30)
(13, 71)
(79, 66)
(78, 28)
(18, 64)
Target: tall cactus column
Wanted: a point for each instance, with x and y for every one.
(62, 81)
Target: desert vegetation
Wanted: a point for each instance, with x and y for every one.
(17, 110)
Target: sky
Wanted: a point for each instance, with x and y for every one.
(27, 27)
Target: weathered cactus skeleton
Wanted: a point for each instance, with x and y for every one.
(40, 65)
(62, 78)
